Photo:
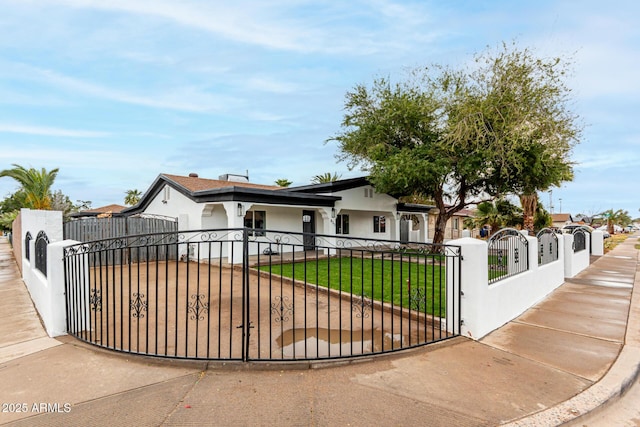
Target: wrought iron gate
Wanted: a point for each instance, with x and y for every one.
(249, 295)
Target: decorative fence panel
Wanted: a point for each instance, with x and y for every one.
(579, 239)
(234, 296)
(41, 252)
(508, 254)
(547, 246)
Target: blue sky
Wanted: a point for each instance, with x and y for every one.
(116, 92)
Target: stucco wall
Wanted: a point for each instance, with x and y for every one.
(46, 290)
(16, 233)
(357, 199)
(485, 306)
(177, 204)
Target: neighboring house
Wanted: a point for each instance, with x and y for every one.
(103, 211)
(561, 219)
(455, 225)
(349, 207)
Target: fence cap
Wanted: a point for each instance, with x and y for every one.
(466, 241)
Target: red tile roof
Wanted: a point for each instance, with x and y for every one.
(105, 209)
(561, 217)
(200, 184)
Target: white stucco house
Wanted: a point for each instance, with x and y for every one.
(344, 208)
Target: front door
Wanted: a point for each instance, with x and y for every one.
(309, 229)
(404, 230)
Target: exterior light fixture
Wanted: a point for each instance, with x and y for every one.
(240, 210)
(333, 212)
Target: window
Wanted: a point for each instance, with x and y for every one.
(368, 192)
(456, 223)
(342, 224)
(257, 220)
(379, 224)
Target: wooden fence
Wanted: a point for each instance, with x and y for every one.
(91, 229)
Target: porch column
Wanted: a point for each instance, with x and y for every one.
(235, 220)
(329, 228)
(424, 227)
(395, 229)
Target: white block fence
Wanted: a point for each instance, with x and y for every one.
(46, 288)
(485, 307)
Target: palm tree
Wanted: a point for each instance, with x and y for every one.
(500, 214)
(132, 197)
(325, 178)
(283, 182)
(542, 218)
(35, 184)
(619, 217)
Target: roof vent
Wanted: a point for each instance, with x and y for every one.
(234, 178)
(193, 175)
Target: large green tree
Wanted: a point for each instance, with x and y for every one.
(463, 136)
(398, 134)
(35, 185)
(524, 113)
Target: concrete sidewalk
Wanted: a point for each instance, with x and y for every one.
(571, 353)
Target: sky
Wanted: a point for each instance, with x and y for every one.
(114, 93)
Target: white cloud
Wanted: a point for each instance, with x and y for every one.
(50, 131)
(265, 116)
(266, 84)
(601, 160)
(302, 27)
(182, 98)
(248, 24)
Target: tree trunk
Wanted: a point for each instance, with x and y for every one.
(441, 225)
(444, 215)
(529, 204)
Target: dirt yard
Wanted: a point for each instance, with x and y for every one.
(197, 310)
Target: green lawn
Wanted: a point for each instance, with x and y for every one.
(381, 280)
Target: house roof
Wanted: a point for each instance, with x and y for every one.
(202, 190)
(561, 217)
(194, 184)
(113, 209)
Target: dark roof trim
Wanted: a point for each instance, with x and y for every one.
(413, 207)
(245, 194)
(331, 187)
